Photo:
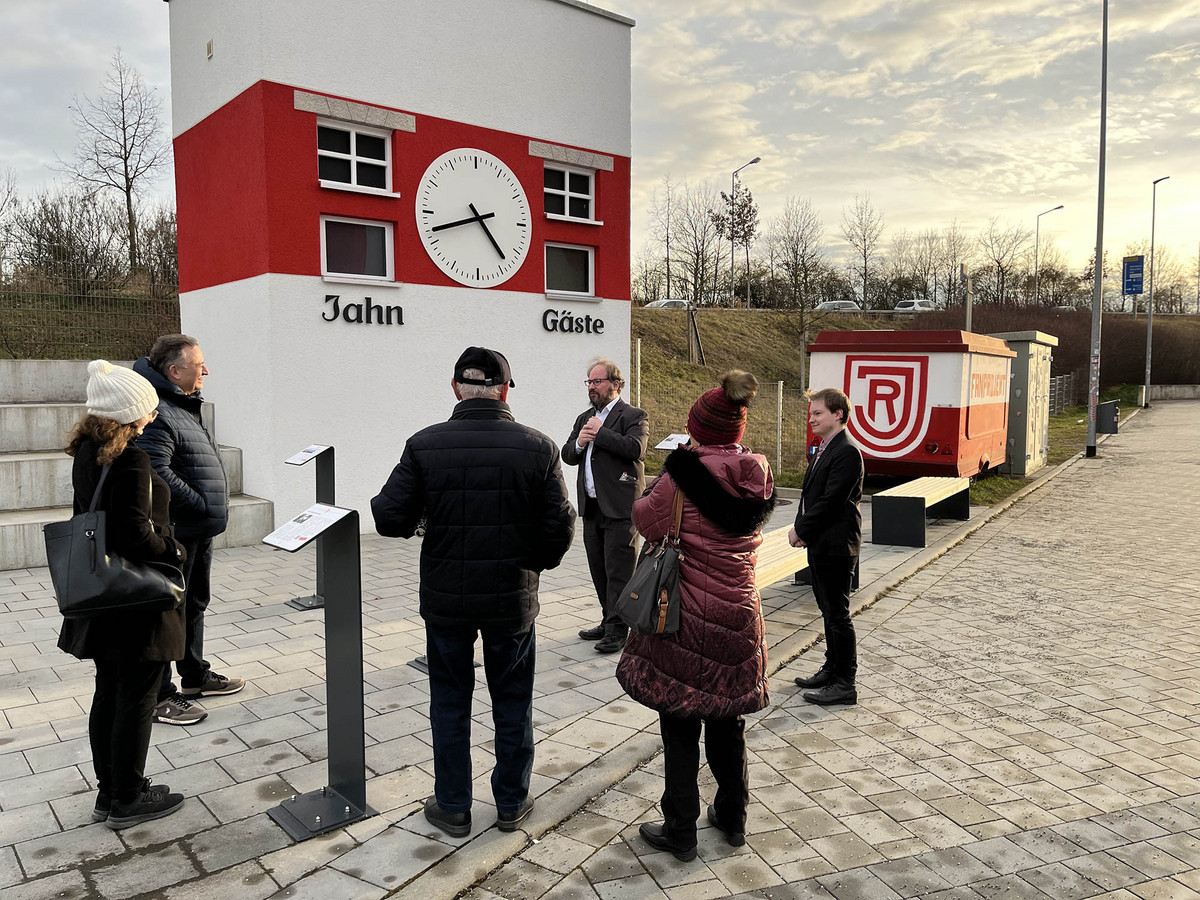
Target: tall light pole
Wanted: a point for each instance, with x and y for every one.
(1150, 312)
(1037, 243)
(1098, 284)
(733, 234)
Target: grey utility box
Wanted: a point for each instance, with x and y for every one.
(1028, 401)
(1107, 415)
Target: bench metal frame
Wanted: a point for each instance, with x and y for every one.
(898, 514)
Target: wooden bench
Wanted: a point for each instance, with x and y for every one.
(777, 560)
(898, 514)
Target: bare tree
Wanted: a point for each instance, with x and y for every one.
(737, 222)
(120, 142)
(646, 275)
(662, 205)
(159, 249)
(955, 253)
(927, 250)
(8, 206)
(797, 239)
(1002, 248)
(862, 227)
(700, 250)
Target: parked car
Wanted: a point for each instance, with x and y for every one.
(846, 306)
(914, 306)
(668, 304)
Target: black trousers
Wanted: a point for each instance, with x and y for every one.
(509, 661)
(725, 747)
(197, 570)
(611, 546)
(119, 724)
(832, 580)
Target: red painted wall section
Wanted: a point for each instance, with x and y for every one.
(221, 195)
(247, 188)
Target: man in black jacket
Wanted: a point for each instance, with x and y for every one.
(829, 524)
(608, 443)
(496, 513)
(185, 456)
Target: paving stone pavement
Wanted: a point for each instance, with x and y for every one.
(1004, 764)
(1028, 722)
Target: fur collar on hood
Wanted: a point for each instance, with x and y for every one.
(736, 515)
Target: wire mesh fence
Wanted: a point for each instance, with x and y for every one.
(1062, 393)
(52, 323)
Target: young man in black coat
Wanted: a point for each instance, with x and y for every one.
(496, 514)
(829, 524)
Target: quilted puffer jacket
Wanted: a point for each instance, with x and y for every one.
(496, 514)
(715, 666)
(185, 456)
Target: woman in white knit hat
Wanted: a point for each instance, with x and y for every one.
(129, 649)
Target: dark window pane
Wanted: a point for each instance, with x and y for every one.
(580, 208)
(580, 184)
(556, 204)
(333, 139)
(331, 168)
(567, 270)
(371, 146)
(370, 175)
(353, 249)
(555, 178)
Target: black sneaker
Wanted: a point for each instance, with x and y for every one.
(655, 836)
(510, 821)
(104, 799)
(213, 686)
(149, 805)
(454, 824)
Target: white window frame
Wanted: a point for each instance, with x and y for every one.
(389, 251)
(566, 193)
(559, 292)
(355, 129)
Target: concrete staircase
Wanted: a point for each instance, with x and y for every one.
(40, 401)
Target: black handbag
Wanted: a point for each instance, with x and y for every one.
(90, 581)
(650, 601)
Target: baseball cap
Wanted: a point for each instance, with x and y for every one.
(491, 362)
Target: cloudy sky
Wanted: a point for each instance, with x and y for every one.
(940, 110)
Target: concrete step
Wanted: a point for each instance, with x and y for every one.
(23, 547)
(30, 427)
(42, 478)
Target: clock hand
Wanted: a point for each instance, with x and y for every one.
(486, 230)
(474, 218)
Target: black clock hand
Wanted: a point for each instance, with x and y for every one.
(486, 230)
(474, 218)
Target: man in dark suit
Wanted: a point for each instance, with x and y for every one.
(608, 444)
(829, 524)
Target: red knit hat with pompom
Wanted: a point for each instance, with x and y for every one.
(719, 415)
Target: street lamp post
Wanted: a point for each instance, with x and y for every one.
(1037, 243)
(733, 234)
(1098, 277)
(1150, 302)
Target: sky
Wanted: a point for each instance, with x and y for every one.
(941, 111)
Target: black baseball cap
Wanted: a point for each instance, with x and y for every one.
(491, 362)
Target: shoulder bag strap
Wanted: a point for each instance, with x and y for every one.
(677, 513)
(99, 485)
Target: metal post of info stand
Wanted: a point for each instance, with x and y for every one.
(344, 799)
(323, 454)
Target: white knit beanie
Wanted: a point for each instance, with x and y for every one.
(118, 393)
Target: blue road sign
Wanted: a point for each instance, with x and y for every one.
(1132, 268)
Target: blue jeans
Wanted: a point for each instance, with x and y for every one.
(508, 663)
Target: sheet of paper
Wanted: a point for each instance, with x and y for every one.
(293, 535)
(671, 441)
(306, 454)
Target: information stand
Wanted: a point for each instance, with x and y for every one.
(323, 454)
(344, 799)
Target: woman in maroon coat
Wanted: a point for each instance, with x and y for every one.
(714, 669)
(129, 649)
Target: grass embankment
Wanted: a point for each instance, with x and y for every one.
(769, 344)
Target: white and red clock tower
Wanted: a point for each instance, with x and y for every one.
(366, 188)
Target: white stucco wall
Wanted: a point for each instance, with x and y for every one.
(282, 378)
(554, 70)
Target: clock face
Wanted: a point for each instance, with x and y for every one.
(473, 217)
